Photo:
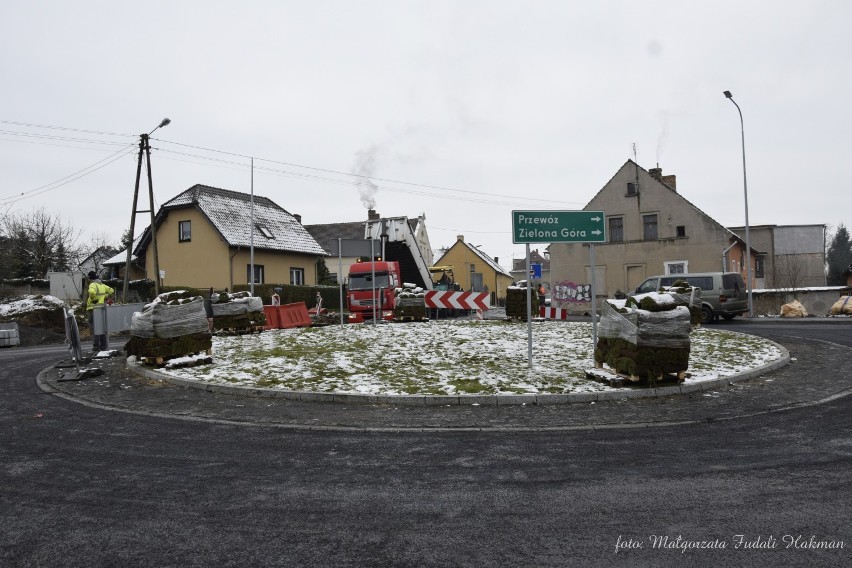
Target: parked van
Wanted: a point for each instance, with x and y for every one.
(723, 294)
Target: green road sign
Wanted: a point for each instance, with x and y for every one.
(558, 227)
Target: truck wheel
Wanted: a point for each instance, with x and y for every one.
(706, 315)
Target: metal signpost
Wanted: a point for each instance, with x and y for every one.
(559, 227)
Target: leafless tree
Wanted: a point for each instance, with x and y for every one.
(35, 243)
(790, 273)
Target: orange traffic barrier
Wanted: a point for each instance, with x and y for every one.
(293, 315)
(272, 319)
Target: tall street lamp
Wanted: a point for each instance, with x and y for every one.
(144, 148)
(745, 194)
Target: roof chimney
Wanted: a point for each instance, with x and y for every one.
(671, 181)
(298, 218)
(372, 215)
(460, 237)
(656, 173)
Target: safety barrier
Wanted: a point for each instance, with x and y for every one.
(272, 319)
(553, 313)
(287, 316)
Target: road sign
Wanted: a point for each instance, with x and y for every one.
(558, 227)
(457, 300)
(535, 270)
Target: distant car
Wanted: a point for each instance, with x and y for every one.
(723, 294)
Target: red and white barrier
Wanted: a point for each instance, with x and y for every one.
(457, 300)
(553, 313)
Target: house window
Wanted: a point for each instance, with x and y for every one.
(681, 230)
(649, 225)
(297, 276)
(258, 273)
(631, 188)
(476, 284)
(265, 232)
(758, 268)
(616, 229)
(184, 231)
(677, 267)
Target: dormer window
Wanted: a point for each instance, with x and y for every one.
(265, 232)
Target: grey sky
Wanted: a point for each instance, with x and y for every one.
(520, 105)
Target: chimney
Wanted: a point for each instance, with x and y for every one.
(671, 181)
(656, 173)
(496, 260)
(372, 215)
(460, 238)
(298, 218)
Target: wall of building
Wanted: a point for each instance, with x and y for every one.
(206, 260)
(621, 266)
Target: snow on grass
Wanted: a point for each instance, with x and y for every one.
(444, 357)
(29, 304)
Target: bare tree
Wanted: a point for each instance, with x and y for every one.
(36, 243)
(790, 273)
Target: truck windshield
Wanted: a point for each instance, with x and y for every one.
(365, 281)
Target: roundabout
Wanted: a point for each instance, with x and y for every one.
(455, 363)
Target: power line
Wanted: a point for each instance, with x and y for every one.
(69, 178)
(362, 176)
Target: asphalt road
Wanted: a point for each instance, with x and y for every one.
(90, 485)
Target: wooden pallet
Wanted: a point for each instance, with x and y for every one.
(239, 330)
(162, 360)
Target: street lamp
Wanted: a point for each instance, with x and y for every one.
(745, 194)
(144, 148)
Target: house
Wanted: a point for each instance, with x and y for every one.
(205, 236)
(651, 229)
(519, 266)
(475, 271)
(795, 255)
(327, 236)
(95, 261)
(397, 238)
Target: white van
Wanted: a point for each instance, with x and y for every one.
(723, 294)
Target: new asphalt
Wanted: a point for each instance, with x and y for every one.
(810, 372)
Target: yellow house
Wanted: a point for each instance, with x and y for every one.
(205, 237)
(475, 271)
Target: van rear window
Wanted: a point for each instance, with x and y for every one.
(731, 281)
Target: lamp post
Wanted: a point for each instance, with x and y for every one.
(745, 194)
(144, 148)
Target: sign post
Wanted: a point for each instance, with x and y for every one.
(559, 227)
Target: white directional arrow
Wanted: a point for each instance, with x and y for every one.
(598, 232)
(596, 219)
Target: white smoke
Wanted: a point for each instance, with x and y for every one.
(365, 168)
(664, 135)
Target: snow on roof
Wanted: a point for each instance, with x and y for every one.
(231, 215)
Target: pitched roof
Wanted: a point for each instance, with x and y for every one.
(325, 234)
(230, 212)
(484, 257)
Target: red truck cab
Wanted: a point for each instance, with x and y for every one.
(365, 280)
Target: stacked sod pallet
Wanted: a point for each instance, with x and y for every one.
(684, 295)
(237, 312)
(173, 325)
(516, 302)
(410, 303)
(647, 340)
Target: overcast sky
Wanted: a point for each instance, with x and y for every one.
(462, 111)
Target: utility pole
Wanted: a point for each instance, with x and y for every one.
(144, 148)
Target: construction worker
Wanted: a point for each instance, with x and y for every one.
(98, 292)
